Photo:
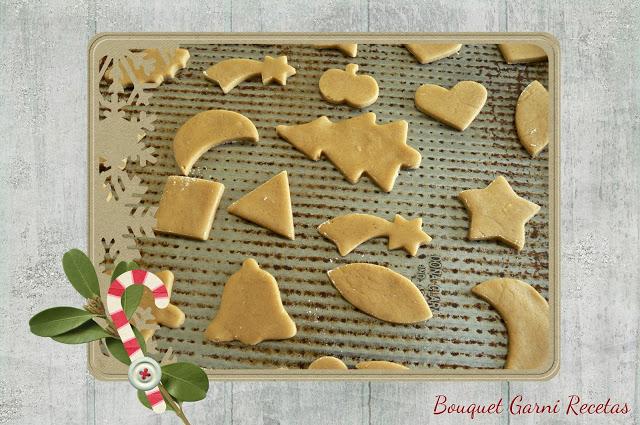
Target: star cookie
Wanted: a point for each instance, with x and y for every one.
(498, 213)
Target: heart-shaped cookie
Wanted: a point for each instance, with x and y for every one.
(427, 53)
(457, 107)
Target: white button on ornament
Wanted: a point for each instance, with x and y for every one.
(144, 373)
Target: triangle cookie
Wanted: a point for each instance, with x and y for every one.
(268, 205)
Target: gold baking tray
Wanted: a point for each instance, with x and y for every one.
(466, 338)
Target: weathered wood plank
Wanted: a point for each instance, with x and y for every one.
(299, 16)
(42, 119)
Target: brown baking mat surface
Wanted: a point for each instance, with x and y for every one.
(464, 332)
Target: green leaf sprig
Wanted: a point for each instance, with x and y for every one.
(181, 382)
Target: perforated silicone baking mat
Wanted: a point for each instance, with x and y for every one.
(466, 335)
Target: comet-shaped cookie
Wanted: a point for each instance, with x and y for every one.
(231, 72)
(348, 49)
(351, 230)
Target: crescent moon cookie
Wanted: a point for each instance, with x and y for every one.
(338, 86)
(522, 53)
(532, 118)
(231, 72)
(328, 362)
(171, 316)
(380, 364)
(457, 107)
(348, 49)
(526, 315)
(427, 53)
(497, 212)
(164, 66)
(268, 205)
(350, 230)
(188, 206)
(356, 146)
(380, 292)
(251, 309)
(206, 130)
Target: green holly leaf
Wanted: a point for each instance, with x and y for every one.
(119, 269)
(116, 348)
(131, 299)
(185, 381)
(81, 273)
(143, 400)
(87, 332)
(58, 320)
(132, 296)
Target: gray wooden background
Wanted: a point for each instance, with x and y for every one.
(43, 206)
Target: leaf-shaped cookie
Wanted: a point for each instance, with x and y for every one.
(380, 292)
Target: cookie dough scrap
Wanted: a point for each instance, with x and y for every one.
(427, 53)
(350, 230)
(231, 72)
(457, 107)
(532, 118)
(164, 64)
(338, 87)
(251, 310)
(170, 316)
(355, 146)
(498, 213)
(348, 49)
(522, 53)
(328, 363)
(188, 207)
(381, 364)
(527, 318)
(268, 205)
(206, 130)
(380, 292)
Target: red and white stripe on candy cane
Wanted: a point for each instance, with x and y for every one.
(119, 318)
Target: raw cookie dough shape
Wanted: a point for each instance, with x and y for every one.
(328, 362)
(457, 107)
(207, 129)
(532, 118)
(268, 205)
(188, 207)
(163, 68)
(250, 310)
(522, 53)
(526, 315)
(338, 86)
(355, 146)
(231, 72)
(170, 316)
(348, 49)
(380, 364)
(350, 230)
(497, 212)
(427, 53)
(380, 292)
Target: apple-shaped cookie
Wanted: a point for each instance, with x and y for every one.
(358, 91)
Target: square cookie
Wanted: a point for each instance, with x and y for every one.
(188, 207)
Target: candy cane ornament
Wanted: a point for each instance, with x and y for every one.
(144, 372)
